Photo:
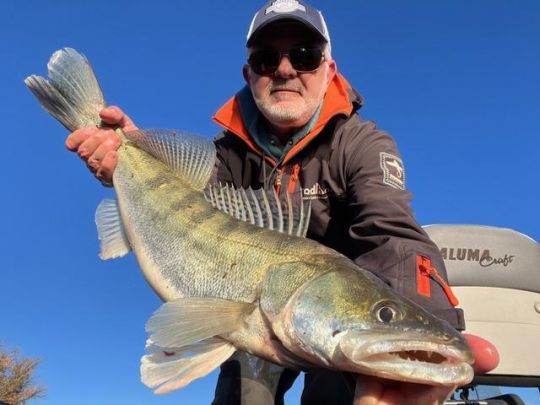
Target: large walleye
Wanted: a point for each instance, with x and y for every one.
(230, 284)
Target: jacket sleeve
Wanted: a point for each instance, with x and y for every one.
(221, 172)
(398, 250)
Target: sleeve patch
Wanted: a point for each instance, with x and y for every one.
(393, 171)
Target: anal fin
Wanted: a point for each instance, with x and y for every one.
(111, 233)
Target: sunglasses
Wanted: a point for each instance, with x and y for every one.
(266, 61)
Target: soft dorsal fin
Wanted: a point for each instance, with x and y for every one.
(262, 208)
(191, 156)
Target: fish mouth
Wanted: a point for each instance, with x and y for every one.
(410, 360)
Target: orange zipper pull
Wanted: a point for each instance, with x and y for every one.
(447, 290)
(294, 177)
(422, 277)
(424, 272)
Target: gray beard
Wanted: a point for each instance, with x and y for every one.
(281, 114)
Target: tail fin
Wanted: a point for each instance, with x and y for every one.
(71, 94)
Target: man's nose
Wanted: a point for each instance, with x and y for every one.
(285, 68)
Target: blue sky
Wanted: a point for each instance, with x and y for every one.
(455, 82)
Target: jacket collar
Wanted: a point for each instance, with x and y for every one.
(340, 98)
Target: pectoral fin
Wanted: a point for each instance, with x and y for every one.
(189, 320)
(184, 343)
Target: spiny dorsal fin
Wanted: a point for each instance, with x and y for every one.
(262, 208)
(192, 157)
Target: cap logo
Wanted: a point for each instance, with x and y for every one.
(285, 6)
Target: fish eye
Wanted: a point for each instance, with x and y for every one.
(386, 313)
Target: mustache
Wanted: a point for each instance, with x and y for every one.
(285, 86)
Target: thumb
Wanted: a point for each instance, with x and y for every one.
(368, 391)
(113, 115)
(485, 353)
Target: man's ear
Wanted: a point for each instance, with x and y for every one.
(246, 73)
(332, 70)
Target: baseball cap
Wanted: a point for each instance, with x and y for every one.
(281, 10)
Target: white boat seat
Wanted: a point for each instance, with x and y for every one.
(495, 274)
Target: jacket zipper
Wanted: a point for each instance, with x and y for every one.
(424, 272)
(277, 180)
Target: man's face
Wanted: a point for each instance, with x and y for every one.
(287, 98)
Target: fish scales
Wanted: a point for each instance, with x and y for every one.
(207, 253)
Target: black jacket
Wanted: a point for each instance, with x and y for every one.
(353, 175)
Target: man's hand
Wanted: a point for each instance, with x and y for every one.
(377, 391)
(97, 146)
(486, 356)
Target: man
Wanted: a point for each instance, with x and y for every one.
(294, 127)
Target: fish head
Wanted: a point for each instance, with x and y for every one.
(350, 320)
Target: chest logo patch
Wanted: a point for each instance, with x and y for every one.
(393, 171)
(317, 192)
